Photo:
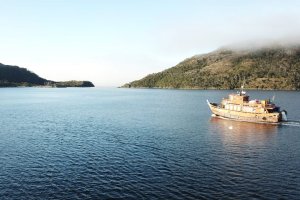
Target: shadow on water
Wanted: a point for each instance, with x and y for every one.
(242, 132)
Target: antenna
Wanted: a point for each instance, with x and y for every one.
(242, 92)
(273, 99)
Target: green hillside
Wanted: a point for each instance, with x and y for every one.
(17, 76)
(276, 67)
(14, 76)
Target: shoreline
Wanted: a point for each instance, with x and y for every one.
(42, 87)
(251, 89)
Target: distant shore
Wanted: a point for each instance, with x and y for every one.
(51, 84)
(14, 76)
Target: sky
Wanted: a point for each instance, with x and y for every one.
(112, 42)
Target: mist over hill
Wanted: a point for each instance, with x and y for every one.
(269, 67)
(14, 76)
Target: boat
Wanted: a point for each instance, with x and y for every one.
(239, 107)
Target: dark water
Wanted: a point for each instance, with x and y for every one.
(142, 144)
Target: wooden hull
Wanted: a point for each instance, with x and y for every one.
(245, 116)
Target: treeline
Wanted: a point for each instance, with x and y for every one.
(14, 76)
(265, 68)
(73, 84)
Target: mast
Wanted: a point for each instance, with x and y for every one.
(242, 92)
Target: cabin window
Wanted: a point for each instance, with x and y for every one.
(248, 109)
(270, 110)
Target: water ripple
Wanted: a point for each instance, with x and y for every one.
(139, 145)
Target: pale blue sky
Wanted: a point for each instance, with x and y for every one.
(113, 42)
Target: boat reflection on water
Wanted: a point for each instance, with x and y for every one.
(236, 132)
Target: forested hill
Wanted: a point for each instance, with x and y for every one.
(14, 76)
(276, 67)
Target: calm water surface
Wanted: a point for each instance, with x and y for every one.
(92, 143)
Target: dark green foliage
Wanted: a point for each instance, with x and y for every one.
(13, 76)
(267, 68)
(74, 84)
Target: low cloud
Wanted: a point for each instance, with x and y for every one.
(247, 32)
